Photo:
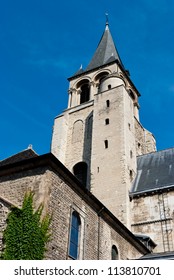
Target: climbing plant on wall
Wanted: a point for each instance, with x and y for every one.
(27, 233)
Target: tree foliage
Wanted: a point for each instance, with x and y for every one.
(26, 234)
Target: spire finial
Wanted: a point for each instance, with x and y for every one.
(107, 20)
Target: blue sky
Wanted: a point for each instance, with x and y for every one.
(45, 42)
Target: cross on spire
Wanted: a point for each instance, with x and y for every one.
(107, 19)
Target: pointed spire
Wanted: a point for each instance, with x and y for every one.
(106, 51)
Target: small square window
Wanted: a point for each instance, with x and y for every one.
(106, 121)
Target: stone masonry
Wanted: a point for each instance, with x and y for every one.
(60, 192)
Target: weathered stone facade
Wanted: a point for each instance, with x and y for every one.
(4, 210)
(145, 141)
(99, 139)
(156, 218)
(61, 193)
(103, 132)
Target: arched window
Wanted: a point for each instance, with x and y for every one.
(74, 235)
(83, 87)
(77, 133)
(84, 95)
(80, 171)
(101, 76)
(114, 253)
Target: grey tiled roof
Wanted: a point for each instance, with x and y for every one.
(158, 256)
(26, 154)
(154, 171)
(105, 52)
(80, 71)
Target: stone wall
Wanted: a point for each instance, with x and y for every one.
(60, 199)
(145, 141)
(99, 236)
(152, 215)
(4, 210)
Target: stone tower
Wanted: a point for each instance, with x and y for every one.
(99, 135)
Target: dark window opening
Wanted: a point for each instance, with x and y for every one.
(84, 95)
(109, 86)
(114, 253)
(131, 175)
(107, 103)
(106, 144)
(80, 171)
(101, 76)
(131, 154)
(74, 235)
(106, 121)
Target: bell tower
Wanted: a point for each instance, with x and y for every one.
(99, 135)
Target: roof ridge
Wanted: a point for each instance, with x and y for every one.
(172, 148)
(24, 154)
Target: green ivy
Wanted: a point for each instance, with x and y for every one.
(26, 234)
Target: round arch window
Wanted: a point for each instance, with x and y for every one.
(114, 253)
(80, 171)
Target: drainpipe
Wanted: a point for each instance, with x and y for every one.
(98, 254)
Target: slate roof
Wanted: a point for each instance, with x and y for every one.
(26, 154)
(105, 52)
(158, 256)
(154, 171)
(80, 71)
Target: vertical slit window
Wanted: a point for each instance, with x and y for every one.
(131, 175)
(107, 103)
(106, 144)
(131, 154)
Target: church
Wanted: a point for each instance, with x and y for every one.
(110, 192)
